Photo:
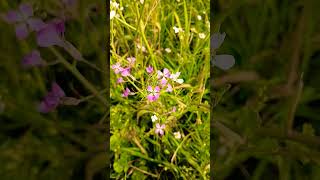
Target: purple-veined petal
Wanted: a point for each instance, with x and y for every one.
(217, 39)
(22, 31)
(161, 132)
(36, 24)
(224, 61)
(163, 126)
(158, 126)
(12, 17)
(26, 10)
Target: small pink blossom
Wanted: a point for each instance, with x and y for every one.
(131, 60)
(149, 69)
(125, 72)
(163, 81)
(154, 93)
(165, 73)
(126, 92)
(120, 80)
(169, 88)
(52, 99)
(32, 59)
(160, 129)
(117, 68)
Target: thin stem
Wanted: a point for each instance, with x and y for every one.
(79, 76)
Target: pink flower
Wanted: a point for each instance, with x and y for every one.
(169, 88)
(154, 93)
(23, 20)
(165, 73)
(125, 72)
(149, 69)
(120, 80)
(131, 60)
(117, 68)
(126, 92)
(52, 99)
(32, 59)
(163, 81)
(160, 129)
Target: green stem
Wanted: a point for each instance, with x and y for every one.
(79, 76)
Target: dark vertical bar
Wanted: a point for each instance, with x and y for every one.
(211, 93)
(108, 85)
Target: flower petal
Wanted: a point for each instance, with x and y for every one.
(12, 17)
(22, 31)
(32, 59)
(26, 9)
(224, 61)
(217, 39)
(35, 24)
(57, 90)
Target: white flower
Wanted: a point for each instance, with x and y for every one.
(141, 1)
(202, 35)
(112, 14)
(199, 17)
(177, 30)
(177, 135)
(114, 4)
(121, 8)
(168, 50)
(154, 118)
(143, 49)
(175, 76)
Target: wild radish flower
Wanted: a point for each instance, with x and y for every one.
(112, 14)
(160, 129)
(175, 76)
(149, 69)
(174, 109)
(163, 81)
(126, 92)
(117, 68)
(199, 17)
(177, 30)
(51, 34)
(125, 72)
(32, 59)
(169, 88)
(120, 80)
(168, 50)
(165, 73)
(131, 60)
(202, 35)
(141, 1)
(154, 93)
(177, 135)
(142, 48)
(114, 4)
(154, 118)
(52, 99)
(23, 20)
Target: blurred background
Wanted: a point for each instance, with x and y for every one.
(266, 108)
(68, 143)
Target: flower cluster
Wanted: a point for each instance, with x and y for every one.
(160, 81)
(48, 34)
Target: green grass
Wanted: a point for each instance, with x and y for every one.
(137, 152)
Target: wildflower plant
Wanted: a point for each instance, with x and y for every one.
(160, 120)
